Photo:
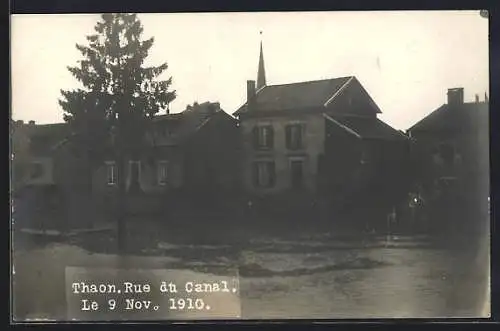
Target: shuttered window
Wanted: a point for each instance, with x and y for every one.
(263, 137)
(294, 136)
(264, 174)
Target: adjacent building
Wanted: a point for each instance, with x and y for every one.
(33, 147)
(38, 172)
(451, 150)
(314, 137)
(194, 151)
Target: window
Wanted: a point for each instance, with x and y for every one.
(263, 137)
(36, 170)
(264, 174)
(111, 172)
(294, 136)
(162, 172)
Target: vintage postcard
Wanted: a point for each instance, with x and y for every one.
(299, 165)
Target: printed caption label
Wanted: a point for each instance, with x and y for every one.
(95, 294)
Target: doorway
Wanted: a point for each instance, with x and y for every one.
(297, 173)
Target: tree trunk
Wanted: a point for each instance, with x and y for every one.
(89, 192)
(121, 226)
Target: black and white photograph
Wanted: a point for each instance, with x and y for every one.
(250, 166)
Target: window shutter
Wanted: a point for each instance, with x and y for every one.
(255, 174)
(272, 174)
(271, 137)
(255, 137)
(302, 134)
(288, 136)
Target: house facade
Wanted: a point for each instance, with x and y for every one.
(40, 174)
(451, 150)
(194, 151)
(313, 137)
(453, 139)
(33, 152)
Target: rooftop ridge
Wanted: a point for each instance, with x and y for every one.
(309, 81)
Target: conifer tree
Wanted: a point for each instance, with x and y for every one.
(118, 98)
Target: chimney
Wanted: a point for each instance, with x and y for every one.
(212, 107)
(456, 96)
(31, 122)
(19, 122)
(250, 93)
(477, 98)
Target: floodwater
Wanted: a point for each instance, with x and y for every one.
(310, 278)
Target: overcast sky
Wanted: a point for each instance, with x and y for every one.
(405, 60)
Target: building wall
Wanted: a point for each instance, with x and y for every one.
(20, 145)
(44, 173)
(148, 178)
(212, 156)
(470, 166)
(313, 147)
(342, 160)
(353, 100)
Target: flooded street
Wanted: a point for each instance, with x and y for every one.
(400, 283)
(385, 277)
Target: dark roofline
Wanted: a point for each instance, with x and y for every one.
(329, 100)
(44, 126)
(309, 81)
(173, 116)
(416, 125)
(441, 108)
(400, 132)
(342, 126)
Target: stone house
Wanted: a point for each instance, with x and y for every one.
(315, 137)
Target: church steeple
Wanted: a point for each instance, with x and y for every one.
(261, 73)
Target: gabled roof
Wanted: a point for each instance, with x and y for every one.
(455, 117)
(367, 128)
(311, 94)
(182, 125)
